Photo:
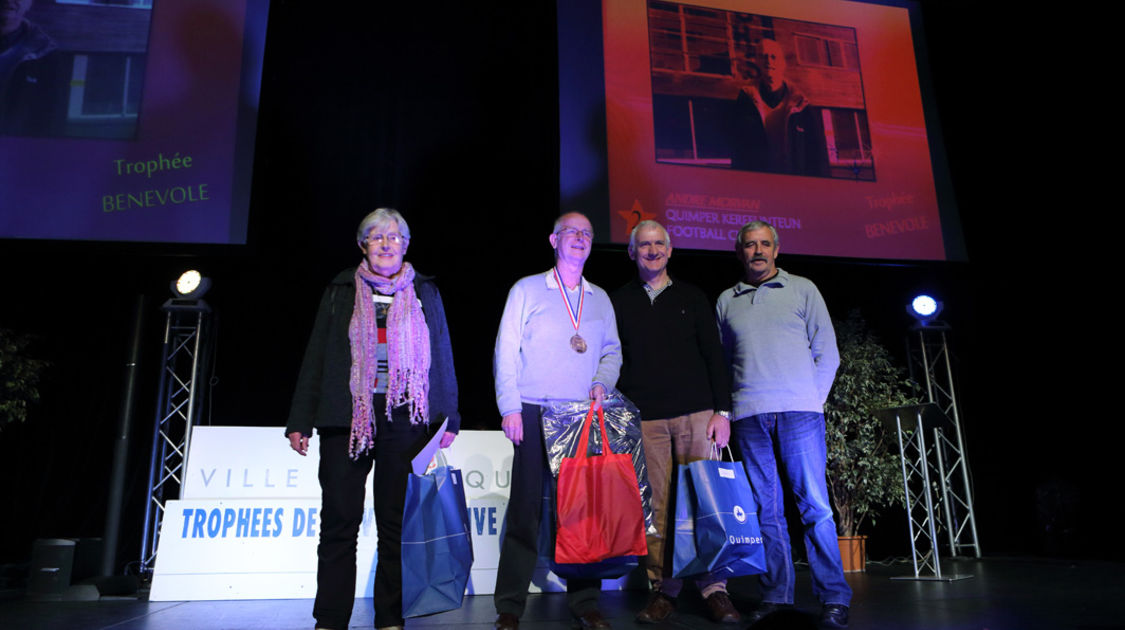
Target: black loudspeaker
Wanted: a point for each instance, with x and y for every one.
(64, 568)
(52, 560)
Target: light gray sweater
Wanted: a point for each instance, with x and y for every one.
(778, 340)
(533, 361)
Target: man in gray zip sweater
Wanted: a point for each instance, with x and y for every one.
(778, 339)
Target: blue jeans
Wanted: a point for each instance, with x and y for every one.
(792, 444)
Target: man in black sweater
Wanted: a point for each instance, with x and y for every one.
(674, 372)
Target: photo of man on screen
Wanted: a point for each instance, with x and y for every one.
(752, 92)
(30, 82)
(771, 122)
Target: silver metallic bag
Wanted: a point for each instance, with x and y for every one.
(562, 426)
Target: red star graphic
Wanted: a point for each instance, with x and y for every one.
(635, 215)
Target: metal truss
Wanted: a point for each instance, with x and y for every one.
(182, 368)
(910, 424)
(948, 447)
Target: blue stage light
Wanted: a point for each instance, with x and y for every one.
(924, 305)
(925, 309)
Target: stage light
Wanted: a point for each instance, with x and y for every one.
(925, 309)
(188, 281)
(188, 291)
(924, 305)
(191, 285)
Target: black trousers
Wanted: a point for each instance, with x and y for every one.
(519, 550)
(342, 482)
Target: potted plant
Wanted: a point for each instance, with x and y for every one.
(19, 377)
(864, 471)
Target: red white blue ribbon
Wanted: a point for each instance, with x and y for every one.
(576, 320)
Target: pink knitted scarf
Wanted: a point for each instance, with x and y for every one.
(408, 353)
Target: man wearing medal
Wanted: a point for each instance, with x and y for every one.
(557, 342)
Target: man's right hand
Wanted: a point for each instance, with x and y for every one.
(299, 442)
(718, 430)
(513, 427)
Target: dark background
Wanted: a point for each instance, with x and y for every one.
(449, 113)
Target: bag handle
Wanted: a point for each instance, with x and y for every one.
(605, 438)
(584, 441)
(717, 454)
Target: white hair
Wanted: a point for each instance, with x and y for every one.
(379, 217)
(644, 224)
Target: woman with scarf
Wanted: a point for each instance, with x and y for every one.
(376, 381)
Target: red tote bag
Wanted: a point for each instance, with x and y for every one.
(599, 504)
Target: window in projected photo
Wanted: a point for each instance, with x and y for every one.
(106, 86)
(757, 93)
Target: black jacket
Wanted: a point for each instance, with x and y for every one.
(323, 397)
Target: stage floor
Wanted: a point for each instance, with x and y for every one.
(1003, 594)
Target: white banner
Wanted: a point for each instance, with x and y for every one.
(248, 525)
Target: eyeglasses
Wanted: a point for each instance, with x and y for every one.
(575, 232)
(394, 238)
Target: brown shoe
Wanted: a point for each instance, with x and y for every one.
(659, 608)
(721, 609)
(506, 621)
(591, 620)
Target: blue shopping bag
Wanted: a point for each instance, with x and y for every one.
(437, 549)
(685, 561)
(716, 528)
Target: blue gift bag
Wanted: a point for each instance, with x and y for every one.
(437, 549)
(716, 529)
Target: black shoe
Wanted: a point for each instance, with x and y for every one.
(764, 610)
(834, 616)
(659, 608)
(592, 620)
(506, 621)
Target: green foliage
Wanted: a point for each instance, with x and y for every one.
(19, 377)
(864, 471)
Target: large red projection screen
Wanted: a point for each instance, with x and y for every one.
(807, 114)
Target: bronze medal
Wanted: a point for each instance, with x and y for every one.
(578, 343)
